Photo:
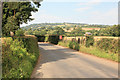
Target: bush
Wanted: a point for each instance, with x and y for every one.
(74, 45)
(53, 39)
(46, 38)
(19, 57)
(64, 43)
(20, 32)
(108, 45)
(40, 38)
(89, 41)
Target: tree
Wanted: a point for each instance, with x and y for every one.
(58, 31)
(10, 26)
(77, 32)
(18, 11)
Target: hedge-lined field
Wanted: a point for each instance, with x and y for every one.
(19, 56)
(103, 47)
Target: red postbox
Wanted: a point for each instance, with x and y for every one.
(60, 37)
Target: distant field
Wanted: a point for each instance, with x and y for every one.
(86, 29)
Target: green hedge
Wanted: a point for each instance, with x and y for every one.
(46, 38)
(41, 38)
(53, 39)
(108, 45)
(89, 41)
(105, 48)
(19, 57)
(64, 43)
(74, 45)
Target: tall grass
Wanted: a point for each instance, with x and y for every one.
(99, 53)
(93, 50)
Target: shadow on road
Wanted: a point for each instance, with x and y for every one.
(50, 53)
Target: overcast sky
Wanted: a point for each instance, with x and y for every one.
(77, 11)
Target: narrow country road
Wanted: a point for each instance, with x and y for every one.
(59, 62)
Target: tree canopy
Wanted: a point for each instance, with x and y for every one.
(16, 13)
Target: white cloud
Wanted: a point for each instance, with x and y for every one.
(88, 5)
(82, 9)
(108, 17)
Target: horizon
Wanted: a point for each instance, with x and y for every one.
(90, 12)
(68, 23)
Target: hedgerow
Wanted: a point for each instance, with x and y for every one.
(108, 45)
(105, 48)
(74, 45)
(53, 39)
(41, 38)
(19, 57)
(89, 41)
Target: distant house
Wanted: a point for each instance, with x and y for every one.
(88, 34)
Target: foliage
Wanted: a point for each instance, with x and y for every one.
(74, 45)
(110, 31)
(99, 53)
(46, 38)
(77, 32)
(66, 26)
(89, 41)
(58, 31)
(16, 13)
(64, 43)
(19, 57)
(29, 32)
(108, 45)
(19, 32)
(40, 38)
(11, 25)
(73, 29)
(53, 39)
(105, 48)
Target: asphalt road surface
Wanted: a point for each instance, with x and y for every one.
(59, 62)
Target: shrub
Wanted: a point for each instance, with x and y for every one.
(108, 45)
(19, 57)
(40, 38)
(64, 43)
(89, 41)
(74, 45)
(20, 32)
(53, 39)
(46, 38)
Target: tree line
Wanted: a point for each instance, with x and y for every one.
(77, 31)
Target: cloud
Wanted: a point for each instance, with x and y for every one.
(108, 17)
(82, 9)
(90, 3)
(87, 5)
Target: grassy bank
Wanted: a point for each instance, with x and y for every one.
(99, 53)
(64, 43)
(19, 56)
(93, 51)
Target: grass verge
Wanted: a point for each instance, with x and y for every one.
(93, 51)
(99, 53)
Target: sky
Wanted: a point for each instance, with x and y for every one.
(77, 11)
